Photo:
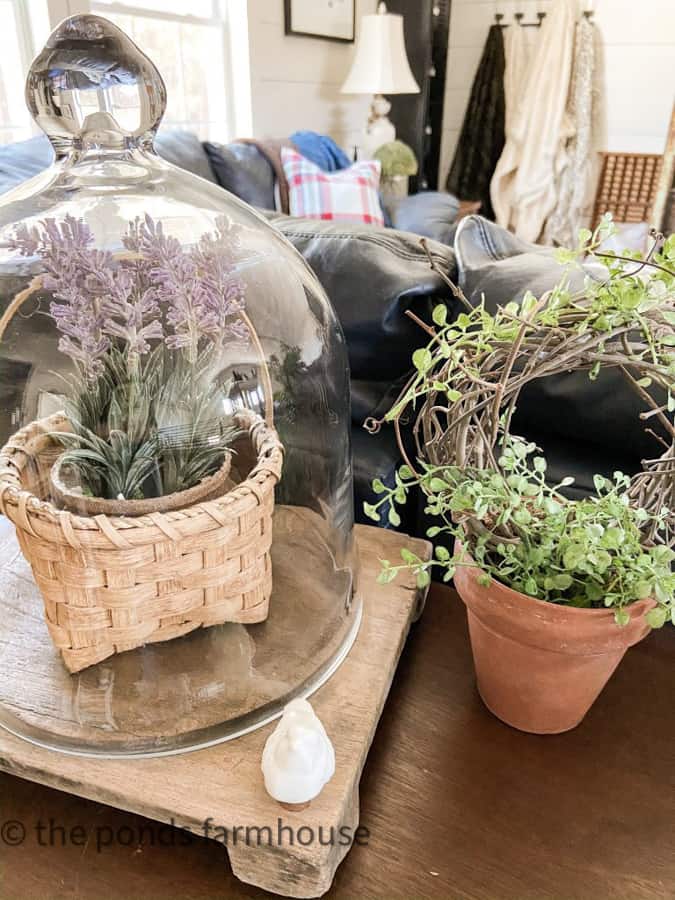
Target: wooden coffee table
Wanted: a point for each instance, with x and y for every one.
(457, 805)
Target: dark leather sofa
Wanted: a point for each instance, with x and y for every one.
(373, 275)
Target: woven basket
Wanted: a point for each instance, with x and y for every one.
(111, 584)
(628, 186)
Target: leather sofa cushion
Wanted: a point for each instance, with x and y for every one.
(243, 170)
(494, 263)
(372, 276)
(185, 150)
(23, 160)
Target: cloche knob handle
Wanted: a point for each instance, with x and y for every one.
(92, 87)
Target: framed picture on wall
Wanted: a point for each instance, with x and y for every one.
(332, 20)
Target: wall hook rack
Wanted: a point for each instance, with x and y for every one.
(520, 16)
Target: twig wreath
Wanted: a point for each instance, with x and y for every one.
(465, 388)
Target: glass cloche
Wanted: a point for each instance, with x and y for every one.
(175, 420)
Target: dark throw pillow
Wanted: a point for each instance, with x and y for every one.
(185, 150)
(243, 170)
(430, 213)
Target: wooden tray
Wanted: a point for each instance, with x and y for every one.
(219, 792)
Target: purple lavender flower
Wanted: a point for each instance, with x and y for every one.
(100, 300)
(199, 288)
(222, 288)
(173, 276)
(25, 240)
(66, 250)
(131, 309)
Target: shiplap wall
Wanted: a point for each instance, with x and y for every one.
(295, 81)
(638, 38)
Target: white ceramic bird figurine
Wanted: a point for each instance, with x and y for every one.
(298, 758)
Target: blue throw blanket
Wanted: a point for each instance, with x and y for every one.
(321, 150)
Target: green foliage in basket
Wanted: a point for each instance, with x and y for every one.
(488, 487)
(150, 435)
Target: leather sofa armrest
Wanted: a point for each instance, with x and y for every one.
(372, 276)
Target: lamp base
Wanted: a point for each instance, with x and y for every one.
(379, 130)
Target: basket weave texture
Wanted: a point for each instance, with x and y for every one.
(628, 186)
(112, 584)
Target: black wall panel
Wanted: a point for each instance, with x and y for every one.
(418, 118)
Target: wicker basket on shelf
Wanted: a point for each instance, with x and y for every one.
(113, 583)
(628, 186)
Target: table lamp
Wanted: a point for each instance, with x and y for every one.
(380, 67)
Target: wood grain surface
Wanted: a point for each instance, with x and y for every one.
(458, 806)
(186, 692)
(219, 791)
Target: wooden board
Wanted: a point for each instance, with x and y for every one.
(223, 786)
(180, 694)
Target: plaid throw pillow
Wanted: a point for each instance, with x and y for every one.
(348, 195)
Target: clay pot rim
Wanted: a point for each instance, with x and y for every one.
(79, 503)
(558, 611)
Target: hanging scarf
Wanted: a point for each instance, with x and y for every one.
(574, 181)
(517, 53)
(482, 137)
(524, 182)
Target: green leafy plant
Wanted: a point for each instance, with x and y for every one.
(396, 158)
(487, 488)
(154, 433)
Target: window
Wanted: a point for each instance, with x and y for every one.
(23, 24)
(188, 46)
(199, 46)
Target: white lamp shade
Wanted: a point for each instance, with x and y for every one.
(381, 64)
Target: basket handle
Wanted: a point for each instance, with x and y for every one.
(17, 303)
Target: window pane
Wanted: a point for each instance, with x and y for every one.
(202, 8)
(15, 120)
(190, 58)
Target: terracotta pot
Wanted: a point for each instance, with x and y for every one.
(540, 666)
(66, 493)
